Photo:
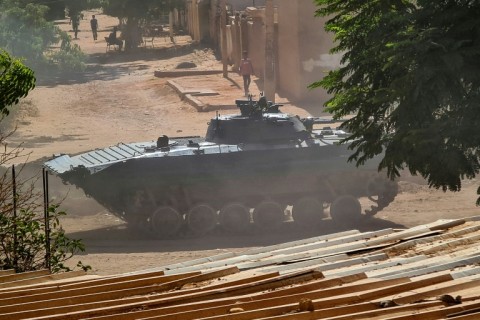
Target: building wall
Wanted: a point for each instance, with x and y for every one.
(203, 20)
(288, 77)
(303, 51)
(302, 55)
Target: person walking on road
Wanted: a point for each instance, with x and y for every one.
(246, 70)
(75, 20)
(94, 26)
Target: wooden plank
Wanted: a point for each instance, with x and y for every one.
(67, 285)
(332, 242)
(7, 272)
(438, 313)
(370, 244)
(451, 244)
(100, 304)
(39, 308)
(368, 268)
(276, 247)
(329, 302)
(427, 292)
(43, 279)
(65, 312)
(253, 254)
(323, 265)
(462, 261)
(50, 299)
(366, 310)
(277, 301)
(190, 263)
(23, 275)
(381, 238)
(444, 224)
(465, 272)
(411, 243)
(205, 304)
(472, 316)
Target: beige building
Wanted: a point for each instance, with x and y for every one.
(302, 46)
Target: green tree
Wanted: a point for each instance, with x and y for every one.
(410, 76)
(16, 80)
(25, 33)
(22, 228)
(134, 14)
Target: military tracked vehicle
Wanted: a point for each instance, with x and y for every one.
(243, 174)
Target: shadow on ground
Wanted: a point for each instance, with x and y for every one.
(128, 241)
(112, 65)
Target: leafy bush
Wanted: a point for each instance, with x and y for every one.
(70, 57)
(26, 33)
(23, 242)
(23, 236)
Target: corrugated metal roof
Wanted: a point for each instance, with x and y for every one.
(427, 272)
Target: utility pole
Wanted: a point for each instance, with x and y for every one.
(269, 81)
(223, 27)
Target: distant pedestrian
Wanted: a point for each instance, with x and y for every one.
(94, 26)
(246, 70)
(75, 20)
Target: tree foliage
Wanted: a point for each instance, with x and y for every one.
(135, 14)
(26, 33)
(16, 80)
(140, 9)
(410, 75)
(22, 227)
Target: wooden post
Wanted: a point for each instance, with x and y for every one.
(269, 80)
(223, 27)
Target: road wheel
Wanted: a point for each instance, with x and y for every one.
(165, 222)
(235, 217)
(307, 211)
(346, 209)
(202, 219)
(268, 215)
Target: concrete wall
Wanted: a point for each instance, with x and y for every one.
(303, 51)
(302, 55)
(203, 17)
(197, 17)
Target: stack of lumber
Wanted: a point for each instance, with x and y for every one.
(427, 272)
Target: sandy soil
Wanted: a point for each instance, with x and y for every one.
(118, 99)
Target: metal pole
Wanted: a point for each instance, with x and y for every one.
(15, 239)
(46, 218)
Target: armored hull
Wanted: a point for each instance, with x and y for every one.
(243, 174)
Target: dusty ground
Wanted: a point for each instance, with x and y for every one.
(118, 99)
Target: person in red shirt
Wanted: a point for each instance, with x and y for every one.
(246, 70)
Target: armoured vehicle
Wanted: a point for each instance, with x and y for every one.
(243, 174)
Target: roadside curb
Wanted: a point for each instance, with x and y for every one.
(183, 73)
(191, 95)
